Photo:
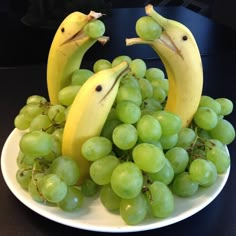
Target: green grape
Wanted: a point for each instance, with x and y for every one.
(56, 113)
(52, 188)
(205, 118)
(178, 158)
(36, 99)
(186, 137)
(23, 177)
(164, 175)
(127, 180)
(79, 76)
(33, 187)
(209, 102)
(101, 64)
(20, 122)
(96, 147)
(153, 74)
(219, 158)
(148, 157)
(128, 112)
(108, 128)
(31, 110)
(89, 188)
(147, 28)
(125, 136)
(57, 134)
(200, 171)
(94, 29)
(109, 199)
(24, 161)
(159, 94)
(226, 106)
(211, 143)
(130, 80)
(73, 199)
(117, 60)
(160, 199)
(56, 151)
(101, 170)
(168, 141)
(67, 169)
(160, 83)
(36, 143)
(130, 93)
(67, 94)
(138, 68)
(41, 122)
(223, 131)
(149, 129)
(146, 88)
(133, 211)
(170, 123)
(183, 185)
(213, 175)
(151, 105)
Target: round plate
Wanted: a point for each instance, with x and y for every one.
(93, 216)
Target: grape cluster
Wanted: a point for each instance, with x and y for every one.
(143, 156)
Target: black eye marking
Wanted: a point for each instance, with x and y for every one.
(62, 29)
(185, 38)
(99, 88)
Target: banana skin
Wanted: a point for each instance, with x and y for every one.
(89, 112)
(180, 55)
(67, 50)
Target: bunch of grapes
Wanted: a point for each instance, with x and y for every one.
(143, 156)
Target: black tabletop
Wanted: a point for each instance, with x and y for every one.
(23, 73)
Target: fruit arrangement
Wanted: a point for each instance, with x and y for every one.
(122, 131)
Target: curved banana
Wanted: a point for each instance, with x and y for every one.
(180, 55)
(67, 50)
(89, 112)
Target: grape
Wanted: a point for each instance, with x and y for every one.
(108, 128)
(73, 199)
(20, 122)
(170, 123)
(101, 64)
(183, 185)
(57, 134)
(94, 29)
(149, 129)
(67, 169)
(211, 143)
(79, 76)
(36, 99)
(96, 147)
(153, 74)
(213, 175)
(164, 175)
(41, 122)
(178, 158)
(125, 136)
(209, 102)
(186, 137)
(130, 80)
(101, 170)
(33, 187)
(53, 189)
(160, 83)
(168, 141)
(145, 88)
(159, 94)
(138, 68)
(128, 112)
(25, 161)
(23, 177)
(31, 110)
(148, 157)
(151, 105)
(89, 188)
(116, 61)
(220, 158)
(205, 118)
(109, 199)
(147, 28)
(160, 199)
(133, 211)
(223, 131)
(226, 106)
(67, 94)
(36, 143)
(127, 180)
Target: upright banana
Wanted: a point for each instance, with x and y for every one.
(68, 47)
(180, 55)
(89, 112)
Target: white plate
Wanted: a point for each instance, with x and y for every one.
(93, 216)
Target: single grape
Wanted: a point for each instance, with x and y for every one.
(67, 94)
(127, 180)
(57, 134)
(23, 177)
(20, 122)
(168, 141)
(138, 68)
(41, 122)
(101, 64)
(186, 137)
(34, 189)
(94, 29)
(36, 99)
(159, 94)
(213, 175)
(226, 106)
(96, 147)
(117, 60)
(130, 80)
(207, 101)
(153, 74)
(89, 188)
(146, 88)
(31, 110)
(151, 105)
(79, 76)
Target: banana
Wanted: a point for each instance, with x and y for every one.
(180, 55)
(67, 50)
(89, 112)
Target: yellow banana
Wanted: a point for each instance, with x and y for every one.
(89, 112)
(67, 50)
(180, 55)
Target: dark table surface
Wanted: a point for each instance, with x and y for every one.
(23, 56)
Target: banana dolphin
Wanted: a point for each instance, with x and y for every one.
(67, 50)
(180, 55)
(89, 112)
